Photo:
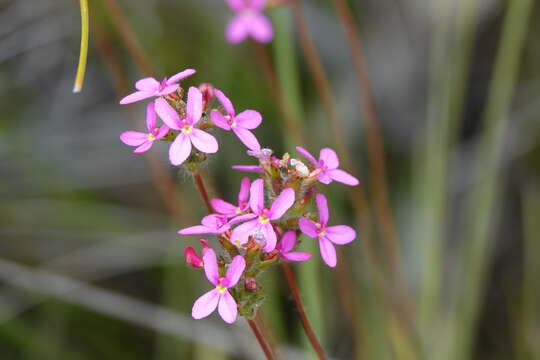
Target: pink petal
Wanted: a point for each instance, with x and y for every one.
(237, 29)
(324, 178)
(308, 227)
(203, 141)
(163, 130)
(247, 138)
(150, 117)
(179, 76)
(180, 149)
(343, 177)
(282, 203)
(223, 207)
(133, 138)
(210, 266)
(260, 28)
(195, 230)
(243, 194)
(269, 236)
(166, 113)
(340, 234)
(288, 241)
(242, 232)
(296, 256)
(144, 147)
(227, 308)
(224, 100)
(136, 96)
(205, 305)
(219, 120)
(328, 252)
(247, 168)
(214, 221)
(241, 218)
(235, 270)
(256, 199)
(192, 259)
(258, 4)
(329, 157)
(248, 119)
(148, 84)
(194, 105)
(322, 206)
(306, 154)
(169, 89)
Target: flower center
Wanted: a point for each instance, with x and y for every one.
(187, 129)
(322, 233)
(233, 124)
(151, 137)
(238, 211)
(263, 219)
(221, 289)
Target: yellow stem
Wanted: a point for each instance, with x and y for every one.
(81, 69)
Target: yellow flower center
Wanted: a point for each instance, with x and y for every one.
(233, 125)
(322, 233)
(187, 129)
(263, 219)
(238, 211)
(221, 289)
(151, 137)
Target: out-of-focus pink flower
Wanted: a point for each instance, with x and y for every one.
(328, 167)
(150, 87)
(248, 21)
(327, 235)
(261, 227)
(219, 296)
(287, 243)
(181, 147)
(240, 124)
(144, 141)
(230, 210)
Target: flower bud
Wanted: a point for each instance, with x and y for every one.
(250, 284)
(207, 91)
(192, 259)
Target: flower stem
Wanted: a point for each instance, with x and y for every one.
(81, 68)
(202, 191)
(260, 339)
(300, 307)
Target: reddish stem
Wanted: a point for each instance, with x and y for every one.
(300, 307)
(202, 191)
(260, 339)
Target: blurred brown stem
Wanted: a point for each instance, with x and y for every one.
(301, 312)
(260, 339)
(202, 191)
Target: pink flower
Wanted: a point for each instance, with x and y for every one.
(210, 224)
(287, 243)
(248, 168)
(327, 166)
(150, 87)
(219, 296)
(240, 124)
(249, 21)
(144, 141)
(181, 147)
(261, 227)
(229, 209)
(327, 235)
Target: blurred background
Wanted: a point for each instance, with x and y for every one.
(444, 137)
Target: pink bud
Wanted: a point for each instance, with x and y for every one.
(192, 259)
(251, 284)
(207, 91)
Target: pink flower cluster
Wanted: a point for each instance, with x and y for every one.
(184, 123)
(262, 226)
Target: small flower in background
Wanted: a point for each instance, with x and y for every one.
(327, 167)
(240, 124)
(327, 235)
(150, 87)
(144, 141)
(181, 147)
(210, 224)
(287, 243)
(230, 210)
(248, 21)
(261, 226)
(219, 296)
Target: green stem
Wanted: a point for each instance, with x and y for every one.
(83, 55)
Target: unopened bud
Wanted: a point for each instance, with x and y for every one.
(207, 91)
(192, 259)
(250, 284)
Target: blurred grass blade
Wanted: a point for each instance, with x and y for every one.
(482, 199)
(83, 55)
